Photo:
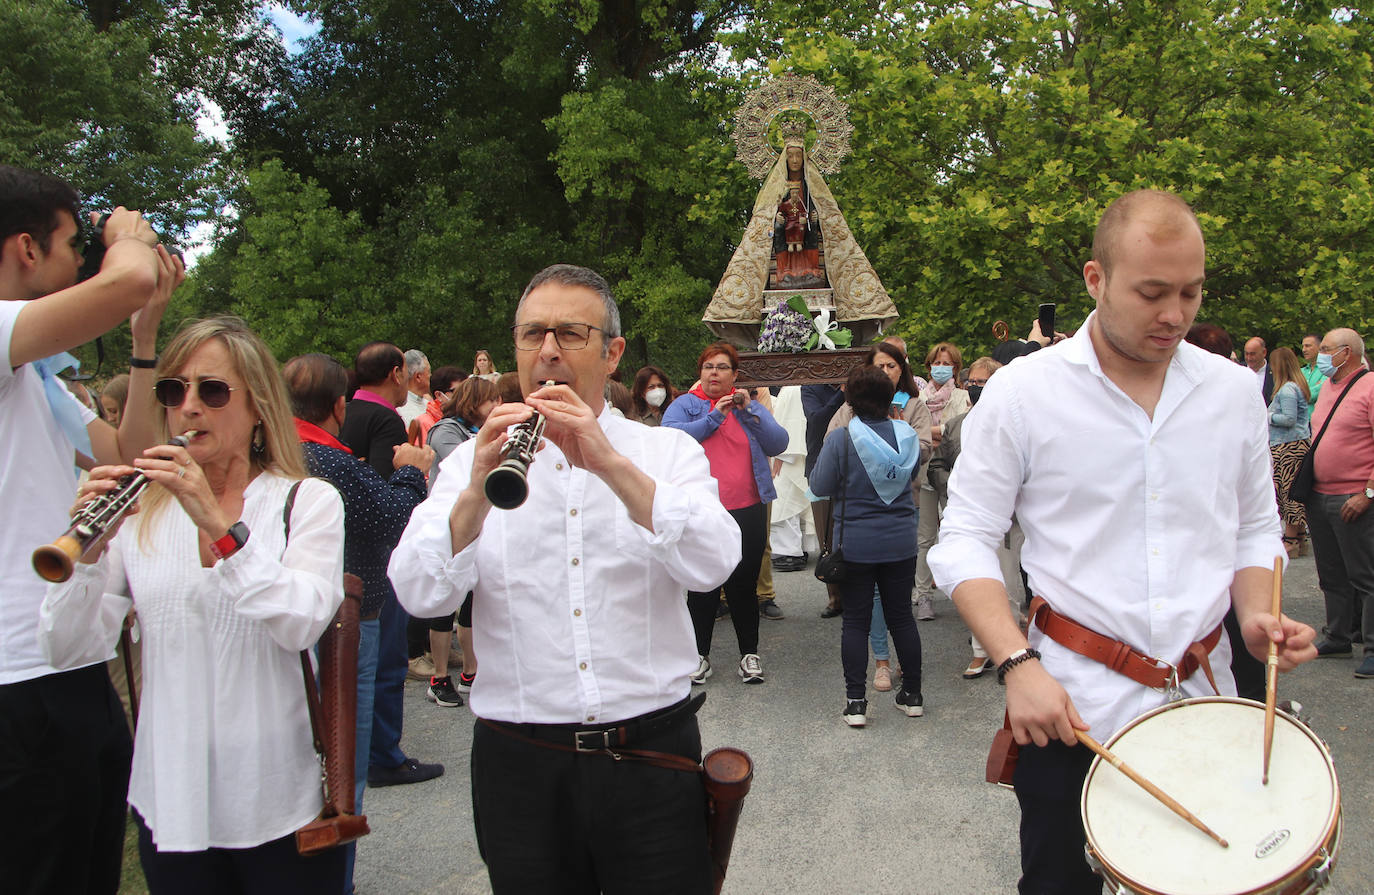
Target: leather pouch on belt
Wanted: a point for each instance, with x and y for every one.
(1002, 756)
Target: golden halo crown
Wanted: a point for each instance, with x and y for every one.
(791, 92)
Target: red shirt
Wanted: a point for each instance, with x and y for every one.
(732, 466)
(1345, 458)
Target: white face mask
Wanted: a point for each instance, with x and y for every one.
(655, 397)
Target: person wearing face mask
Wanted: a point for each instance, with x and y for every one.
(946, 401)
(937, 474)
(651, 393)
(1338, 516)
(889, 357)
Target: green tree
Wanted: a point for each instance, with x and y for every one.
(989, 136)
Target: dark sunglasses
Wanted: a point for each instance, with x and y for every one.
(214, 393)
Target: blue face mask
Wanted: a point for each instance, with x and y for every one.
(941, 373)
(1325, 365)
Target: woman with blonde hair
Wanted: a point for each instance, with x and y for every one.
(1289, 439)
(113, 397)
(224, 767)
(482, 366)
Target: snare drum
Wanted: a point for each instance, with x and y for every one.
(1208, 754)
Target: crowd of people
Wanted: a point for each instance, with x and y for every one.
(657, 511)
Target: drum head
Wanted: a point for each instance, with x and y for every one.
(1208, 754)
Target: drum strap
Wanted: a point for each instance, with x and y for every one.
(1122, 657)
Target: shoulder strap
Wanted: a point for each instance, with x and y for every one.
(1332, 415)
(312, 693)
(844, 480)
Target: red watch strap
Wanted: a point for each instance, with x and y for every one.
(228, 545)
(224, 546)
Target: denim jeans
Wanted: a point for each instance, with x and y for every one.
(877, 631)
(367, 682)
(389, 693)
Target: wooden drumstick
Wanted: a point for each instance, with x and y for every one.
(1134, 776)
(1271, 686)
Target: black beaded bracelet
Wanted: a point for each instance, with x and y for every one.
(1016, 658)
(143, 363)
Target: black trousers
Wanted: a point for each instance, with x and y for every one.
(561, 822)
(1049, 781)
(65, 754)
(740, 588)
(894, 581)
(273, 868)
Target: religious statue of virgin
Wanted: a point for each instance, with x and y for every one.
(797, 241)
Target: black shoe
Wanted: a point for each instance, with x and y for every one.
(856, 713)
(441, 692)
(910, 703)
(409, 771)
(1330, 648)
(831, 612)
(465, 681)
(769, 610)
(789, 563)
(722, 610)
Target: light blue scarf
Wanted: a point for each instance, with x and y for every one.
(888, 470)
(66, 413)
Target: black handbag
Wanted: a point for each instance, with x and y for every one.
(1306, 475)
(830, 567)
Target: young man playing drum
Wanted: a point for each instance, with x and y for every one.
(1138, 467)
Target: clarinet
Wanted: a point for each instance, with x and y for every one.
(55, 562)
(507, 485)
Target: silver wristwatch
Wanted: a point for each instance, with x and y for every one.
(1369, 493)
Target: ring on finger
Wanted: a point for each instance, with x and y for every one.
(181, 473)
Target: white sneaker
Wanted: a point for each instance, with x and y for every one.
(703, 671)
(925, 608)
(751, 669)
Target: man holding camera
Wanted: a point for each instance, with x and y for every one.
(64, 744)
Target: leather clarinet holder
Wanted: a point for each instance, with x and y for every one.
(333, 719)
(1002, 756)
(727, 774)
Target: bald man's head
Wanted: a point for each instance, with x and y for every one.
(1254, 353)
(1164, 215)
(1344, 338)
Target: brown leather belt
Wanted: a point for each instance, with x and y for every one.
(1122, 657)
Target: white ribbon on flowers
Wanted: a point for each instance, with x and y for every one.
(823, 325)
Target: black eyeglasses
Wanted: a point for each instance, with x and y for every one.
(172, 391)
(569, 336)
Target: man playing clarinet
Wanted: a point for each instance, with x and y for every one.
(579, 615)
(1138, 467)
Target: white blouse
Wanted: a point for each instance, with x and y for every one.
(223, 756)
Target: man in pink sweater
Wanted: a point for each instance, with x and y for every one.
(1338, 510)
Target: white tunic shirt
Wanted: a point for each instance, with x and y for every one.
(223, 755)
(579, 615)
(1135, 527)
(37, 487)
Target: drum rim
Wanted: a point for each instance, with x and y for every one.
(1330, 838)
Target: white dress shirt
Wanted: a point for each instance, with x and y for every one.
(579, 614)
(223, 755)
(1135, 527)
(37, 486)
